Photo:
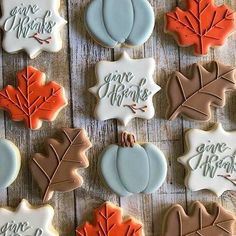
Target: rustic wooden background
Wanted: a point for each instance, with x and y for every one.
(73, 67)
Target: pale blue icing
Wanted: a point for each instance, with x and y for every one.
(9, 163)
(141, 169)
(115, 22)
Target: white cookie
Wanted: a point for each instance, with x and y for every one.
(31, 25)
(27, 220)
(210, 160)
(125, 89)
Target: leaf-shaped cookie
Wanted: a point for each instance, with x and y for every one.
(193, 97)
(108, 221)
(199, 222)
(203, 25)
(58, 170)
(33, 100)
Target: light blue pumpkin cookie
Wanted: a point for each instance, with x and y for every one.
(120, 22)
(10, 162)
(133, 168)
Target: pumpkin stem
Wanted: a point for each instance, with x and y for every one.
(127, 139)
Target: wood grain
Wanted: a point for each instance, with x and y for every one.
(73, 67)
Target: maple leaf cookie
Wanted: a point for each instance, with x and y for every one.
(210, 160)
(202, 25)
(27, 220)
(32, 100)
(108, 221)
(218, 222)
(31, 25)
(58, 169)
(125, 89)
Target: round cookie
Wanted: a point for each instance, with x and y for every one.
(108, 220)
(202, 25)
(210, 160)
(125, 89)
(31, 25)
(198, 221)
(115, 23)
(132, 168)
(10, 162)
(33, 101)
(27, 220)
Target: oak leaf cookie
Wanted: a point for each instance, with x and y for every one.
(193, 97)
(33, 101)
(58, 169)
(31, 25)
(131, 168)
(108, 221)
(27, 220)
(202, 25)
(210, 160)
(10, 162)
(115, 23)
(125, 89)
(199, 221)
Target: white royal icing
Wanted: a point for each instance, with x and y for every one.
(210, 160)
(31, 25)
(125, 89)
(27, 220)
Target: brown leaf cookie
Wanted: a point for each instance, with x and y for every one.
(57, 171)
(198, 222)
(192, 98)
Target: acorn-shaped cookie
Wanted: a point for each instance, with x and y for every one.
(131, 168)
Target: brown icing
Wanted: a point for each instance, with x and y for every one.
(193, 97)
(57, 171)
(127, 139)
(198, 222)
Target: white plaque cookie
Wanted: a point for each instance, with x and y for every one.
(31, 25)
(125, 89)
(27, 220)
(210, 160)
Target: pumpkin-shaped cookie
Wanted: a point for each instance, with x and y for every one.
(133, 168)
(120, 22)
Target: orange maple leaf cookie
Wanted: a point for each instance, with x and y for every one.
(108, 221)
(202, 25)
(33, 100)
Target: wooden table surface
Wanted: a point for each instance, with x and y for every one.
(73, 67)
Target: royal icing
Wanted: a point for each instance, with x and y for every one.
(27, 220)
(133, 168)
(202, 25)
(193, 98)
(125, 22)
(108, 221)
(198, 221)
(210, 160)
(10, 162)
(125, 89)
(58, 169)
(32, 100)
(31, 25)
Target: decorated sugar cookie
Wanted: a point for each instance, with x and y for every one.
(58, 169)
(10, 162)
(108, 221)
(210, 160)
(27, 220)
(32, 100)
(193, 97)
(202, 25)
(115, 23)
(218, 222)
(31, 25)
(133, 168)
(125, 89)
